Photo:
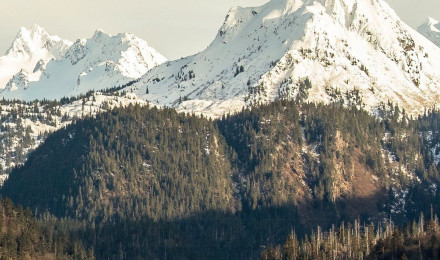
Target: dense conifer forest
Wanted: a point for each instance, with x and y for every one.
(148, 183)
(417, 240)
(22, 237)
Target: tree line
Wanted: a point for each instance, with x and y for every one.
(153, 183)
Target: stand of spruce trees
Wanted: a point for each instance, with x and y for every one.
(417, 240)
(148, 183)
(22, 237)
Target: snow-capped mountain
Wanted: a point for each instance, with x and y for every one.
(31, 50)
(356, 51)
(431, 30)
(101, 62)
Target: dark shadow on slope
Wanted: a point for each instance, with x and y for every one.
(212, 235)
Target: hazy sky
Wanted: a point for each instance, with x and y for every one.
(176, 28)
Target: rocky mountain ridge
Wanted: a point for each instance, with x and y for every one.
(101, 62)
(353, 51)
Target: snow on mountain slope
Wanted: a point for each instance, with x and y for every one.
(431, 30)
(102, 62)
(20, 135)
(30, 51)
(355, 51)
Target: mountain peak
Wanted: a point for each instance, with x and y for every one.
(99, 33)
(30, 47)
(431, 21)
(32, 31)
(32, 40)
(37, 30)
(310, 50)
(26, 39)
(430, 24)
(100, 62)
(431, 30)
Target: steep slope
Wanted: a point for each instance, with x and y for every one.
(101, 62)
(431, 30)
(31, 50)
(128, 164)
(22, 237)
(25, 126)
(182, 184)
(280, 154)
(356, 51)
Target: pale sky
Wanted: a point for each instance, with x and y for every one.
(176, 28)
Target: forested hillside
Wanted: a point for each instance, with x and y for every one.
(152, 183)
(128, 164)
(417, 240)
(341, 161)
(25, 125)
(21, 237)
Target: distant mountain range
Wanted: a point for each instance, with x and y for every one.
(30, 52)
(431, 30)
(356, 52)
(39, 66)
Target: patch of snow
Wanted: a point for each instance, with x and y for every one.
(40, 121)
